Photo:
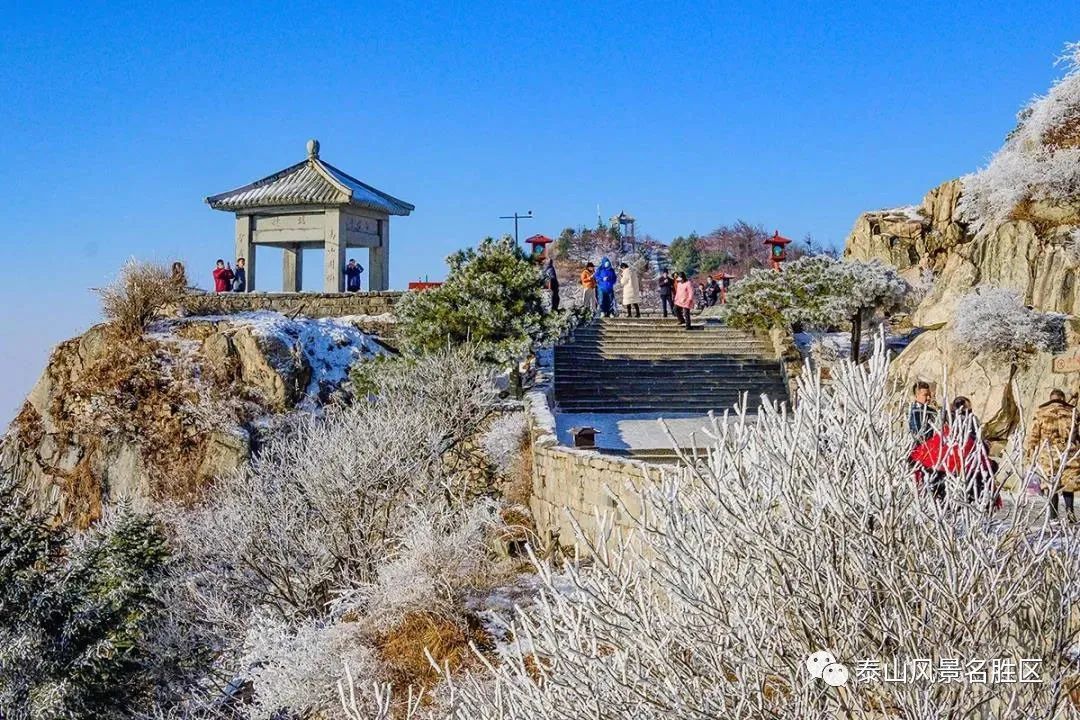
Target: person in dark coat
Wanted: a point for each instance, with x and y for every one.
(605, 287)
(551, 280)
(922, 413)
(239, 281)
(352, 276)
(223, 277)
(712, 292)
(666, 286)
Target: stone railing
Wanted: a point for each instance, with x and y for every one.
(308, 304)
(572, 485)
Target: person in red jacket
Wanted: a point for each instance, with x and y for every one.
(223, 277)
(957, 451)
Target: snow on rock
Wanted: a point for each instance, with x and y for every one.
(328, 346)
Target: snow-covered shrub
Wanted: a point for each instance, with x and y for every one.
(1040, 159)
(138, 295)
(435, 561)
(502, 442)
(817, 292)
(994, 322)
(298, 667)
(803, 531)
(348, 517)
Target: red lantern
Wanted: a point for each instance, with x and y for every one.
(777, 249)
(539, 245)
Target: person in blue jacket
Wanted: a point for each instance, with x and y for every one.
(605, 287)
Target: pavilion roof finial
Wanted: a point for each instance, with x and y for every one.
(313, 148)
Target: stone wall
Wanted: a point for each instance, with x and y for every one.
(308, 304)
(571, 484)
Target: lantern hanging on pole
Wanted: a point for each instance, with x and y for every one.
(777, 249)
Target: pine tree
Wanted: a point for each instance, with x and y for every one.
(817, 292)
(75, 612)
(491, 299)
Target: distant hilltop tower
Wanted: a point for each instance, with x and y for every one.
(626, 231)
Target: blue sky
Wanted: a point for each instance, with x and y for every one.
(116, 122)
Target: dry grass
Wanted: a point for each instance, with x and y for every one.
(1064, 135)
(139, 295)
(27, 426)
(143, 391)
(402, 649)
(1025, 210)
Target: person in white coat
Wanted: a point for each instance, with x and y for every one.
(631, 289)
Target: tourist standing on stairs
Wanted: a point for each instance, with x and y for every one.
(223, 277)
(712, 292)
(551, 281)
(631, 289)
(352, 276)
(605, 287)
(588, 287)
(666, 286)
(239, 281)
(684, 299)
(1053, 446)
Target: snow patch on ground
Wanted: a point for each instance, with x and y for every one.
(330, 346)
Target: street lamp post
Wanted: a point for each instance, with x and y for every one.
(515, 217)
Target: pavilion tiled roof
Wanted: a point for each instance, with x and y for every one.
(311, 182)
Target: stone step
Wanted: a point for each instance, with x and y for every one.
(587, 356)
(566, 378)
(664, 348)
(629, 381)
(718, 408)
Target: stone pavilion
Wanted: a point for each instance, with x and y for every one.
(313, 205)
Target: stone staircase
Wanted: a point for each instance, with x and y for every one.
(654, 365)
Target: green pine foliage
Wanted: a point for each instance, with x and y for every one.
(491, 300)
(816, 292)
(684, 255)
(75, 612)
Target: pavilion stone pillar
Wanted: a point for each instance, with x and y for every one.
(292, 268)
(334, 252)
(379, 260)
(245, 247)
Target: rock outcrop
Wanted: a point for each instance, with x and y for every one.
(1033, 253)
(161, 415)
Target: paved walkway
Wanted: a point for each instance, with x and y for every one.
(636, 431)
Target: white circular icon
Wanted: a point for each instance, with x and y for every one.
(817, 662)
(835, 674)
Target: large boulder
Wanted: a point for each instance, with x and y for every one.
(1033, 253)
(163, 414)
(1000, 397)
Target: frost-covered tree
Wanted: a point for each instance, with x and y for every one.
(349, 518)
(817, 292)
(801, 530)
(1040, 159)
(76, 613)
(491, 299)
(994, 322)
